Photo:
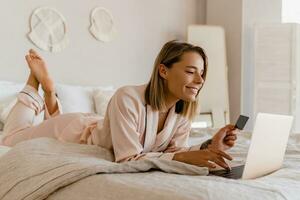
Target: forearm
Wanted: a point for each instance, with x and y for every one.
(151, 155)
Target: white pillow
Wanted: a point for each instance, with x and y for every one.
(9, 90)
(101, 99)
(5, 108)
(75, 98)
(8, 94)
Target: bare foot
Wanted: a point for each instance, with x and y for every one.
(39, 69)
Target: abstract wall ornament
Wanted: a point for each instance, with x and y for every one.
(102, 25)
(48, 29)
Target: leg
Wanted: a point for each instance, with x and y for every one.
(21, 116)
(66, 127)
(32, 81)
(71, 127)
(39, 69)
(30, 103)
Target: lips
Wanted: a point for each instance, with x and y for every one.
(193, 89)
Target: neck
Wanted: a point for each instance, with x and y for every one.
(170, 102)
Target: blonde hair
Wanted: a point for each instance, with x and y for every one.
(155, 92)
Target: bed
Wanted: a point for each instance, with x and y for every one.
(45, 169)
(156, 183)
(3, 149)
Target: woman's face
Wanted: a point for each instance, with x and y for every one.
(184, 78)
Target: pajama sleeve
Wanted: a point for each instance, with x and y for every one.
(123, 111)
(179, 141)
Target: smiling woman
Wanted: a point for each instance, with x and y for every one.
(178, 75)
(146, 121)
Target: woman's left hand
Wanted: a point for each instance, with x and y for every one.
(225, 138)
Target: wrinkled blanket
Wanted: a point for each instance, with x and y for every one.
(36, 168)
(47, 169)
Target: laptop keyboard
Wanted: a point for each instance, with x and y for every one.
(235, 173)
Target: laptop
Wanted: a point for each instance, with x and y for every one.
(266, 152)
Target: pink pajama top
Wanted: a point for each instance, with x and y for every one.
(129, 128)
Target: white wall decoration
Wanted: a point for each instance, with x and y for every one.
(102, 25)
(48, 29)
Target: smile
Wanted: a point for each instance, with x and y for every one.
(193, 89)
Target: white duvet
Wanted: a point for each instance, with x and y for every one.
(35, 175)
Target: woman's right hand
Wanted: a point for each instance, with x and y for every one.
(204, 158)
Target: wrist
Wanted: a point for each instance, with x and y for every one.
(206, 144)
(179, 157)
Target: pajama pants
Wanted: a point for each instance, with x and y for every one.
(71, 127)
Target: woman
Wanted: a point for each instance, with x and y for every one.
(152, 120)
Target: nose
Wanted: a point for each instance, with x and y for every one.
(198, 78)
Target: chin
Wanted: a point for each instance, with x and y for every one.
(189, 98)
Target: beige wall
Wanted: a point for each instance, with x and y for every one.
(254, 12)
(228, 14)
(143, 27)
(239, 17)
(201, 11)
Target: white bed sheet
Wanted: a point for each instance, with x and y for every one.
(282, 184)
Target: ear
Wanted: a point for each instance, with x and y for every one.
(163, 71)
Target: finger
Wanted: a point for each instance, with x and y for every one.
(229, 127)
(207, 164)
(221, 153)
(233, 131)
(230, 143)
(230, 137)
(221, 162)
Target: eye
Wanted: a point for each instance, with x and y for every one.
(189, 72)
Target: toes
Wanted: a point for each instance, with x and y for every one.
(28, 58)
(31, 51)
(33, 54)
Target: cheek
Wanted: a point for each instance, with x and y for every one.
(177, 83)
(181, 79)
(176, 80)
